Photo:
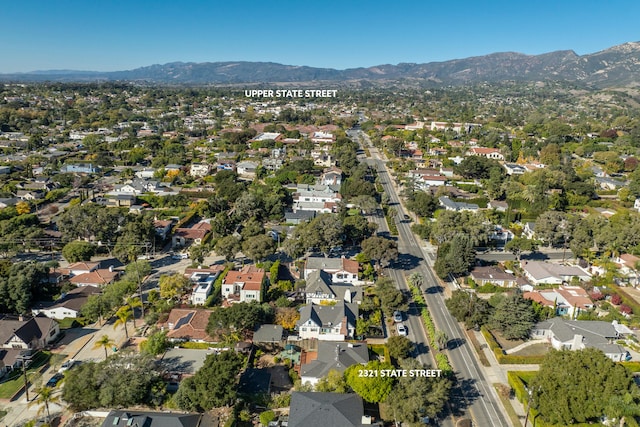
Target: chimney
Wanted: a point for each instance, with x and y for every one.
(21, 318)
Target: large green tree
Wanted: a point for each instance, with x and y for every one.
(413, 399)
(78, 250)
(214, 385)
(373, 388)
(514, 317)
(576, 386)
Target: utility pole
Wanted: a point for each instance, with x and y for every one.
(26, 382)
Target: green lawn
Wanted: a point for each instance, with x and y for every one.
(15, 379)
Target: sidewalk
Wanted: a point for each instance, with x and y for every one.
(497, 373)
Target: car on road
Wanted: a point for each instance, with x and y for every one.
(397, 316)
(67, 365)
(180, 256)
(407, 217)
(54, 380)
(402, 330)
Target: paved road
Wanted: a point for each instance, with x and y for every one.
(472, 392)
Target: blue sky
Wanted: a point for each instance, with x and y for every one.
(109, 35)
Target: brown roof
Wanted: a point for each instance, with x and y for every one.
(629, 260)
(103, 276)
(188, 324)
(483, 150)
(350, 265)
(250, 275)
(491, 273)
(88, 266)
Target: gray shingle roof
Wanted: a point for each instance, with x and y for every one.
(313, 409)
(335, 355)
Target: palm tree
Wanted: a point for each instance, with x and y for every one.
(104, 342)
(123, 315)
(416, 279)
(46, 395)
(134, 302)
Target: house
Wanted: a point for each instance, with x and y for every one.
(628, 265)
(198, 170)
(450, 205)
(247, 169)
(607, 183)
(268, 136)
(332, 176)
(567, 300)
(337, 356)
(493, 275)
(87, 168)
(320, 290)
(187, 325)
(203, 285)
(99, 277)
(120, 200)
(498, 205)
(321, 137)
(136, 418)
(299, 216)
(328, 322)
(319, 198)
(272, 163)
(489, 153)
(514, 169)
(80, 267)
(30, 194)
(68, 305)
(529, 230)
(269, 334)
(245, 285)
(575, 335)
(194, 235)
(341, 269)
(163, 227)
(314, 409)
(31, 334)
(540, 272)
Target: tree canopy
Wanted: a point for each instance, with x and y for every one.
(576, 386)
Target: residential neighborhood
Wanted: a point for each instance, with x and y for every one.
(241, 261)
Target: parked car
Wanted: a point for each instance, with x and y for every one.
(180, 256)
(402, 330)
(54, 380)
(397, 316)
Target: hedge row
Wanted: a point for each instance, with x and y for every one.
(441, 359)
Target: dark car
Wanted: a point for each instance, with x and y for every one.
(54, 380)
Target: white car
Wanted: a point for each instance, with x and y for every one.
(397, 316)
(402, 330)
(67, 365)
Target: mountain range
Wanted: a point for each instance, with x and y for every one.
(614, 67)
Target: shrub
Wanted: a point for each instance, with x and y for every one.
(616, 299)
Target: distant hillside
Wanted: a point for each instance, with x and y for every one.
(617, 66)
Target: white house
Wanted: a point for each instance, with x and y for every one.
(580, 334)
(68, 305)
(489, 153)
(198, 170)
(544, 273)
(202, 286)
(340, 269)
(328, 322)
(245, 285)
(320, 290)
(319, 198)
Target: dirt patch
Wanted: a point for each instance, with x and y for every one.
(505, 343)
(265, 361)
